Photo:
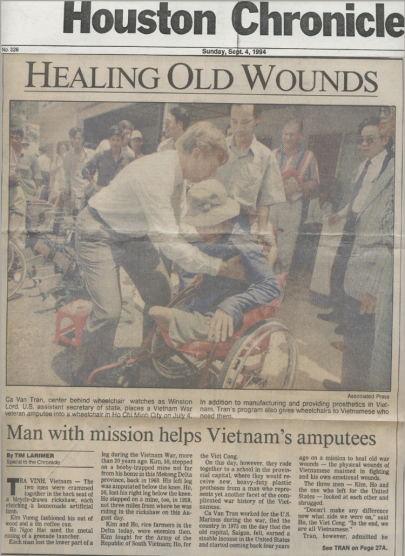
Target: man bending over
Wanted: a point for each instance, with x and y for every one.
(217, 310)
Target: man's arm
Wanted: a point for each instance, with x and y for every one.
(155, 198)
(263, 288)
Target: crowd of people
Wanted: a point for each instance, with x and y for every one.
(226, 207)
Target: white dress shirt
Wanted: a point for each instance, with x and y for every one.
(146, 198)
(372, 174)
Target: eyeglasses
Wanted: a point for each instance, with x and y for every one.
(368, 140)
(386, 111)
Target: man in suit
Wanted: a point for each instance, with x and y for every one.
(369, 226)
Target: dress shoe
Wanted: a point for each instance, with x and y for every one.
(332, 385)
(339, 329)
(334, 316)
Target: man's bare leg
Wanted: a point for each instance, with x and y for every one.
(161, 315)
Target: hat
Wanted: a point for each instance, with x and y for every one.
(209, 204)
(136, 135)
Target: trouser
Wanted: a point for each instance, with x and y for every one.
(287, 218)
(305, 250)
(17, 209)
(101, 252)
(358, 346)
(337, 275)
(32, 224)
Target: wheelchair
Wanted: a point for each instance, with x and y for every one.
(262, 355)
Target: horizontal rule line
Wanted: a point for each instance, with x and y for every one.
(204, 93)
(207, 47)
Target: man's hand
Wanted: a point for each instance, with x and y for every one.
(334, 218)
(369, 304)
(309, 187)
(232, 268)
(221, 326)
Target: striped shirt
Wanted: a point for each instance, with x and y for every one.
(301, 165)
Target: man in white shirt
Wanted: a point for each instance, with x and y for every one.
(372, 145)
(142, 205)
(127, 129)
(251, 176)
(74, 161)
(176, 123)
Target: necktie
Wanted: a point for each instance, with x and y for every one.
(357, 187)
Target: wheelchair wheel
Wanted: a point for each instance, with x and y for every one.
(264, 358)
(16, 269)
(172, 365)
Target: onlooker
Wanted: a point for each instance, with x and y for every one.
(127, 127)
(108, 163)
(359, 262)
(176, 123)
(74, 162)
(373, 147)
(58, 179)
(17, 202)
(45, 167)
(381, 364)
(251, 176)
(30, 181)
(299, 170)
(311, 230)
(135, 142)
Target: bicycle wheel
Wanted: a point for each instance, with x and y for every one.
(16, 269)
(264, 358)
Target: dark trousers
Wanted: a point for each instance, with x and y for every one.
(101, 253)
(358, 346)
(337, 275)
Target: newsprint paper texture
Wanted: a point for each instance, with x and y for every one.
(201, 278)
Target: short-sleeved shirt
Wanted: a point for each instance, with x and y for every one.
(106, 166)
(29, 171)
(252, 178)
(166, 145)
(146, 198)
(73, 171)
(302, 163)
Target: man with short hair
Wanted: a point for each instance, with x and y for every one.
(127, 128)
(74, 161)
(299, 170)
(356, 272)
(17, 201)
(251, 176)
(142, 204)
(30, 180)
(217, 310)
(108, 163)
(45, 167)
(176, 123)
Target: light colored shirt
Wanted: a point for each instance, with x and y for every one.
(252, 178)
(372, 174)
(73, 169)
(166, 145)
(44, 163)
(29, 171)
(146, 198)
(105, 145)
(316, 213)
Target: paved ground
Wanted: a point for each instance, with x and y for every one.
(34, 359)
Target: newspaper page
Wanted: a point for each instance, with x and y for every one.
(201, 278)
